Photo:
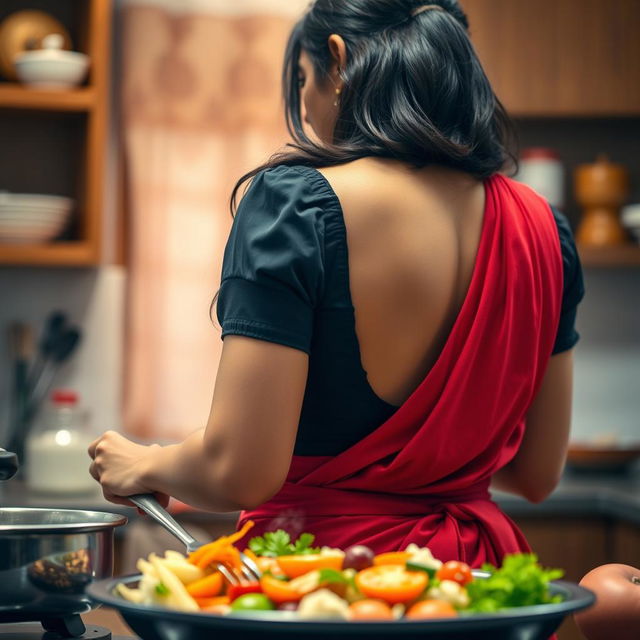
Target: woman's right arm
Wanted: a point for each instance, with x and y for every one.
(536, 469)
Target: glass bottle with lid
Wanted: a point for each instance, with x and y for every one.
(56, 452)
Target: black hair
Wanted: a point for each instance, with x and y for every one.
(414, 89)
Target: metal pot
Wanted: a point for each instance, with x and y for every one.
(47, 559)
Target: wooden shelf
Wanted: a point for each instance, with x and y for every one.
(71, 254)
(16, 96)
(625, 255)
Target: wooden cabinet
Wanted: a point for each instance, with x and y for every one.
(560, 58)
(55, 140)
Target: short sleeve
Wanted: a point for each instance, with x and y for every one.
(273, 272)
(573, 286)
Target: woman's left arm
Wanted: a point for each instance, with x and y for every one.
(242, 457)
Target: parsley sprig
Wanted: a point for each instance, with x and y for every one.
(278, 543)
(521, 581)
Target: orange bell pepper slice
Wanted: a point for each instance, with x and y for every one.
(205, 603)
(297, 565)
(281, 591)
(392, 557)
(207, 587)
(391, 583)
(220, 550)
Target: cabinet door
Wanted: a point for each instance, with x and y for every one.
(560, 57)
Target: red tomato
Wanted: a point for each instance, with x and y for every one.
(616, 613)
(431, 609)
(457, 571)
(370, 609)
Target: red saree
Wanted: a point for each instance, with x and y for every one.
(423, 475)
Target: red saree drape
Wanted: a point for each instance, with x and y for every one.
(423, 475)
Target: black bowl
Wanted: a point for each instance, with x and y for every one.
(521, 623)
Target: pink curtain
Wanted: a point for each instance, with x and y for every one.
(201, 105)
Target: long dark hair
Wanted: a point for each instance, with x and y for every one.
(414, 89)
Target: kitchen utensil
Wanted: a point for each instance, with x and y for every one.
(47, 558)
(62, 349)
(62, 346)
(148, 503)
(520, 623)
(21, 348)
(51, 334)
(601, 188)
(23, 31)
(51, 67)
(8, 464)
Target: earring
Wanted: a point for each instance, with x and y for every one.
(337, 100)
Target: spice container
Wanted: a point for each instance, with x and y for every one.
(601, 189)
(541, 169)
(56, 454)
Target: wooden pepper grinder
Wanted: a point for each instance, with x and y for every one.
(601, 189)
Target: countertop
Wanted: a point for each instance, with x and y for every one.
(578, 494)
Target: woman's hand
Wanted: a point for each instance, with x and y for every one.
(121, 466)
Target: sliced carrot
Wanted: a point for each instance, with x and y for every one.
(206, 587)
(221, 549)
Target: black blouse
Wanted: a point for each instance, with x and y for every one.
(285, 279)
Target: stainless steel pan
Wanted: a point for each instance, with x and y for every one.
(47, 559)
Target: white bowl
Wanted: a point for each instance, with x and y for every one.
(51, 67)
(33, 201)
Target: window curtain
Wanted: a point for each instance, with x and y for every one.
(200, 104)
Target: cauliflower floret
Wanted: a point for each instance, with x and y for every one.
(450, 591)
(423, 556)
(323, 604)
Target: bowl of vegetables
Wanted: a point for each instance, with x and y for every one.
(333, 593)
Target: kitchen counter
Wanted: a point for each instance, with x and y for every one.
(578, 494)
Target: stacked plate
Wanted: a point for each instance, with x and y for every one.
(27, 218)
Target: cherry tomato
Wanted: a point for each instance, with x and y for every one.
(297, 565)
(391, 583)
(252, 602)
(457, 571)
(431, 609)
(236, 590)
(370, 609)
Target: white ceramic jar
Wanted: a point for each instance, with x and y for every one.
(56, 453)
(541, 169)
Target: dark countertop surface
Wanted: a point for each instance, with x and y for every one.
(613, 495)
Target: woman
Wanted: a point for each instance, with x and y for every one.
(398, 317)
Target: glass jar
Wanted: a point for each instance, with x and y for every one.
(56, 452)
(541, 169)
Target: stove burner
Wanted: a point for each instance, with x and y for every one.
(34, 631)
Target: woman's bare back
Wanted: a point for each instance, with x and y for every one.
(412, 237)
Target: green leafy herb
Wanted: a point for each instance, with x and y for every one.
(332, 575)
(162, 589)
(521, 581)
(278, 543)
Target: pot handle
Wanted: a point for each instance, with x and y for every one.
(8, 464)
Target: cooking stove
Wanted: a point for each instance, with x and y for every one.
(35, 631)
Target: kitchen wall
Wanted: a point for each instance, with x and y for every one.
(607, 374)
(94, 300)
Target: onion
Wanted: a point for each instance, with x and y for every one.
(616, 614)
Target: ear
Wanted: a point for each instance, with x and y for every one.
(338, 51)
